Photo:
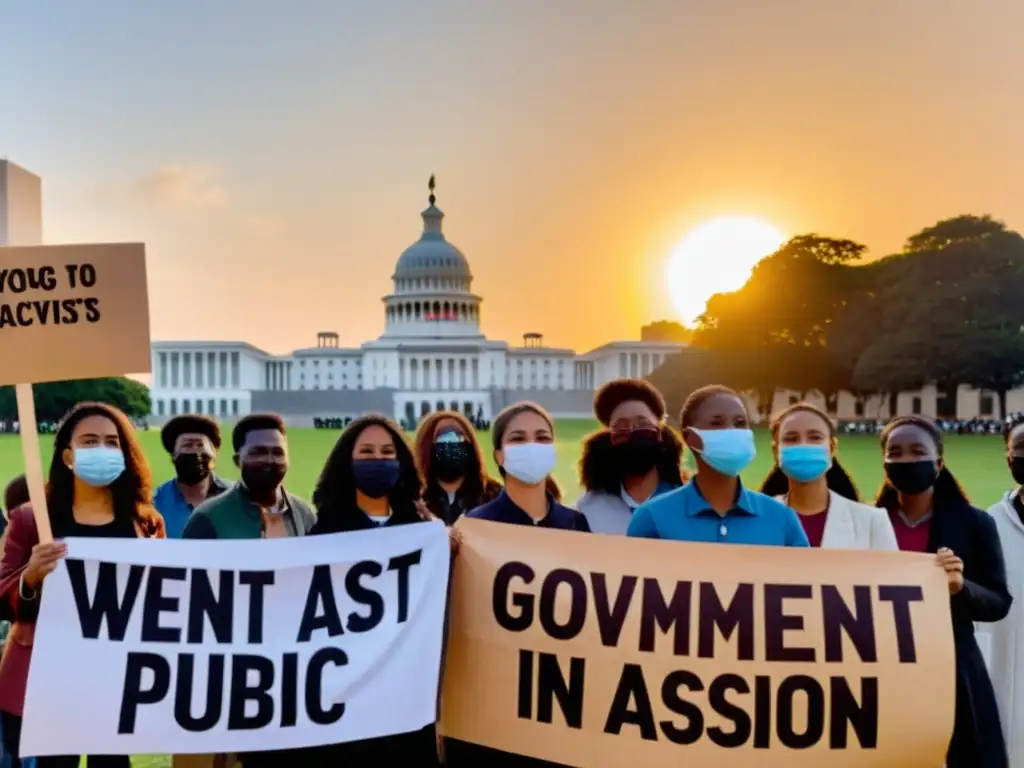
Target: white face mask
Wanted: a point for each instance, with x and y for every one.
(529, 463)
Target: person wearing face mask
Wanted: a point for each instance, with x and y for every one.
(99, 485)
(634, 458)
(1004, 640)
(714, 506)
(523, 436)
(809, 479)
(452, 465)
(369, 481)
(930, 513)
(258, 506)
(192, 441)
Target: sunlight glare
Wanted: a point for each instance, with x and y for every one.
(717, 257)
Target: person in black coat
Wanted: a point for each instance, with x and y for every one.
(931, 513)
(370, 481)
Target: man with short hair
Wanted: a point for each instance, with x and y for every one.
(258, 506)
(192, 441)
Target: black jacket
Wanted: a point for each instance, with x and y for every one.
(971, 533)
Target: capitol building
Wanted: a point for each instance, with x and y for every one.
(431, 356)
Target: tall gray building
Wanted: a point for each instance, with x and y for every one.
(21, 206)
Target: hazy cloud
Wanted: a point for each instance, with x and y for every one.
(186, 186)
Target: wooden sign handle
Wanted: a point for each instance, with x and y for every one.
(33, 463)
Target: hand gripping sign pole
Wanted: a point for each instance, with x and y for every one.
(68, 312)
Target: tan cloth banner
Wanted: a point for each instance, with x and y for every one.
(73, 312)
(601, 651)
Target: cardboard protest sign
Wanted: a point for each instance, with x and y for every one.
(73, 312)
(143, 647)
(606, 651)
(68, 312)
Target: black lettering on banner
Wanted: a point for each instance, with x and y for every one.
(257, 581)
(104, 605)
(20, 313)
(844, 710)
(365, 595)
(320, 593)
(738, 617)
(521, 600)
(901, 597)
(184, 691)
(289, 690)
(858, 625)
(244, 690)
(403, 564)
(314, 686)
(551, 687)
(218, 609)
(577, 604)
(155, 603)
(632, 689)
(611, 617)
(694, 728)
(133, 694)
(665, 616)
(777, 621)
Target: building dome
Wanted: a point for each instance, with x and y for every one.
(432, 256)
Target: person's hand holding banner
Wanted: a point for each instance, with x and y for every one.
(42, 562)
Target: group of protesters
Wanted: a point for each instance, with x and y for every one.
(633, 484)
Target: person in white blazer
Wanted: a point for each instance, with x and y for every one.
(808, 477)
(1002, 643)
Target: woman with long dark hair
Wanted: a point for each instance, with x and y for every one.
(452, 466)
(808, 477)
(99, 486)
(930, 513)
(370, 481)
(634, 457)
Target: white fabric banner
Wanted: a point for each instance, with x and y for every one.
(237, 646)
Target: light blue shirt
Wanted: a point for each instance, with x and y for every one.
(684, 515)
(175, 510)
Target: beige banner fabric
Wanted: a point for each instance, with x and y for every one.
(602, 652)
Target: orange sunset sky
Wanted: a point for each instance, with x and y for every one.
(274, 156)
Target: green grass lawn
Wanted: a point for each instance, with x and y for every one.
(977, 461)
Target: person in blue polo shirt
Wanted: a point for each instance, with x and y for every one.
(714, 506)
(192, 440)
(523, 435)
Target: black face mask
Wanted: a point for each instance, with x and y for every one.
(376, 477)
(639, 455)
(192, 468)
(450, 461)
(912, 476)
(1017, 469)
(263, 480)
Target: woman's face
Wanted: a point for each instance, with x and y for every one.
(374, 442)
(91, 432)
(909, 442)
(525, 427)
(804, 428)
(629, 416)
(721, 410)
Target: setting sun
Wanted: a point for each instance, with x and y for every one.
(717, 257)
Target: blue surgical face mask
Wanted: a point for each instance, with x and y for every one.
(99, 466)
(805, 463)
(728, 451)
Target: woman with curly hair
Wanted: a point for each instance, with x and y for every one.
(635, 457)
(451, 463)
(99, 486)
(370, 481)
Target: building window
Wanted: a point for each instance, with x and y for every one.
(186, 405)
(793, 399)
(159, 407)
(223, 408)
(211, 407)
(858, 408)
(174, 407)
(986, 406)
(235, 373)
(234, 407)
(915, 406)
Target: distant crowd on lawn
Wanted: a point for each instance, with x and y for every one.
(632, 483)
(948, 426)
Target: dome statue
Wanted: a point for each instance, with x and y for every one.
(432, 256)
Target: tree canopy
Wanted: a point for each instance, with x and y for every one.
(54, 399)
(816, 316)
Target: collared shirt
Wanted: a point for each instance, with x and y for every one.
(234, 515)
(504, 510)
(170, 502)
(660, 488)
(685, 515)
